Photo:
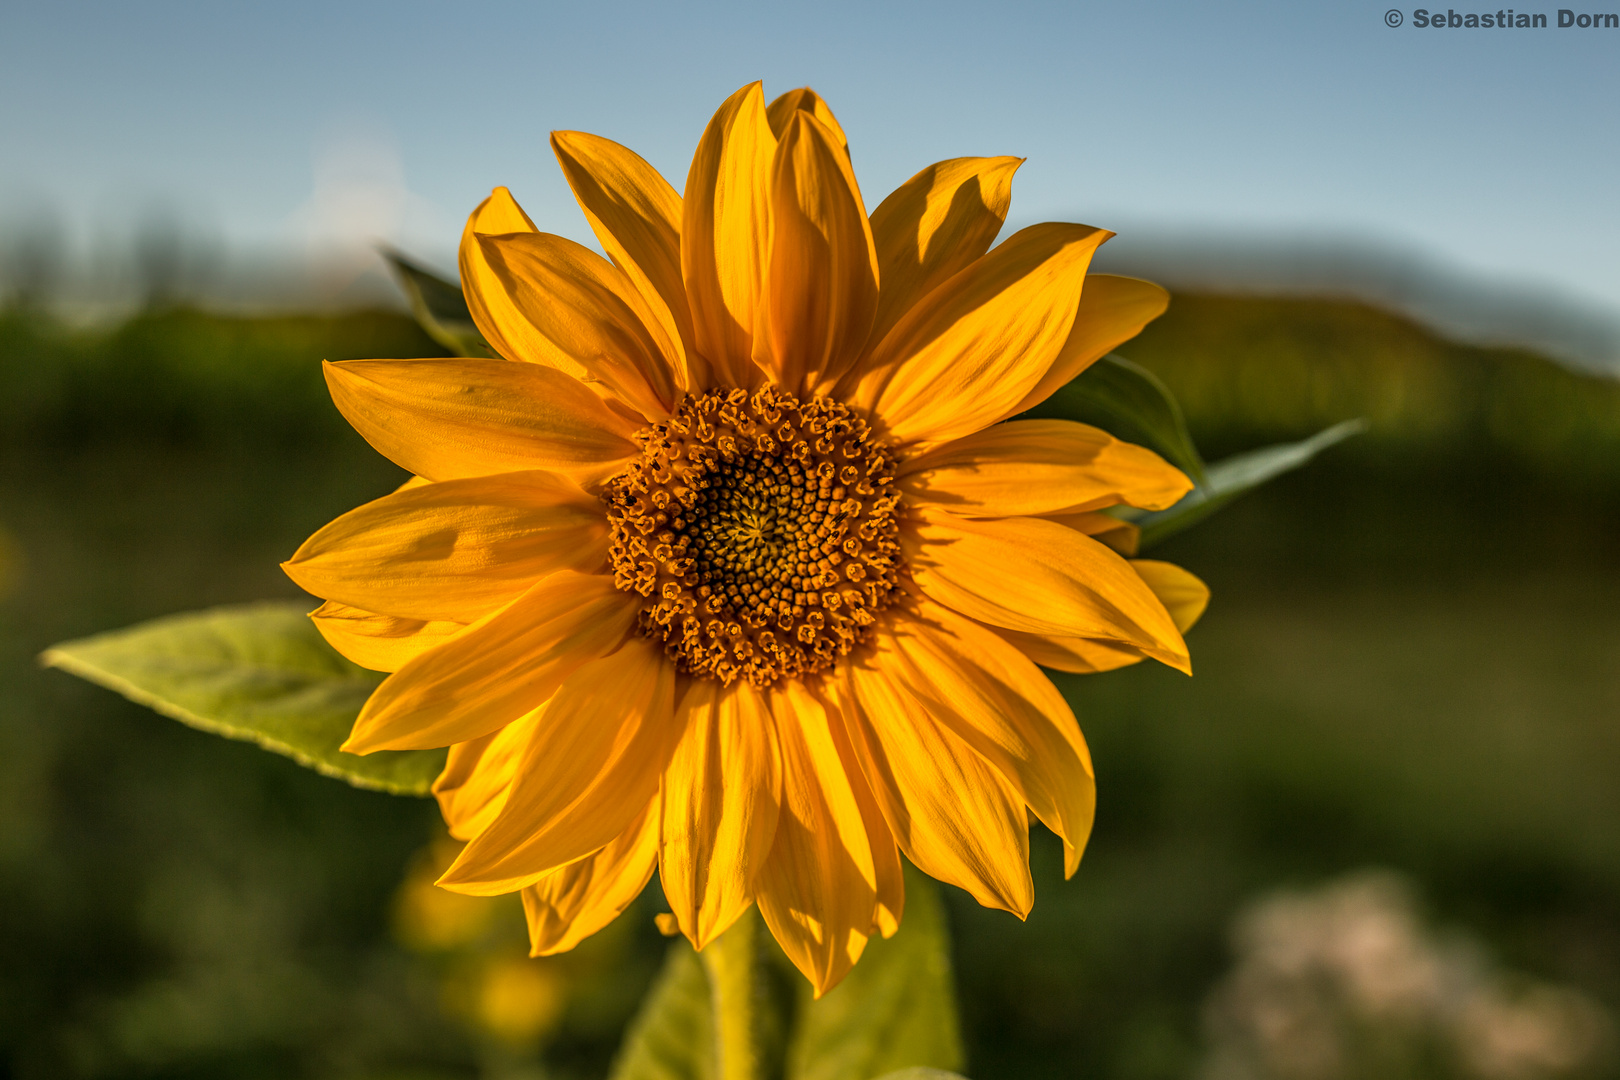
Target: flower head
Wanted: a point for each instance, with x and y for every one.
(733, 565)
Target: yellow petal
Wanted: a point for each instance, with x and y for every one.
(1078, 655)
(822, 283)
(833, 695)
(719, 806)
(973, 347)
(991, 695)
(953, 814)
(1112, 310)
(1040, 578)
(574, 310)
(1122, 536)
(497, 669)
(780, 113)
(496, 215)
(935, 224)
(478, 773)
(636, 216)
(446, 419)
(454, 550)
(569, 905)
(588, 771)
(379, 642)
(725, 235)
(818, 889)
(1183, 595)
(1025, 468)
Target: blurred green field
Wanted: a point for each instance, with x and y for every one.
(1409, 663)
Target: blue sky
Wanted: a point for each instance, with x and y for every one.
(1495, 152)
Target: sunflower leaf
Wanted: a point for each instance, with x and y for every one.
(672, 1035)
(1234, 476)
(256, 672)
(439, 307)
(1131, 403)
(895, 1011)
(922, 1074)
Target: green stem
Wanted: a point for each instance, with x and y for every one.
(731, 962)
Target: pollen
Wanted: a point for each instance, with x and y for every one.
(760, 531)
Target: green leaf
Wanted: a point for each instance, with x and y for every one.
(1131, 403)
(672, 1035)
(257, 672)
(922, 1074)
(895, 1010)
(1234, 476)
(439, 307)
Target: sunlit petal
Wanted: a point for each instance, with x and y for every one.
(569, 905)
(821, 282)
(1040, 578)
(725, 235)
(719, 803)
(590, 768)
(497, 669)
(1027, 468)
(454, 550)
(818, 889)
(636, 216)
(447, 419)
(975, 346)
(953, 814)
(935, 224)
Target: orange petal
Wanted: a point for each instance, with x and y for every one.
(822, 281)
(1112, 310)
(991, 695)
(1122, 536)
(725, 235)
(454, 550)
(379, 642)
(497, 669)
(478, 773)
(954, 815)
(1184, 598)
(569, 905)
(575, 311)
(636, 216)
(1025, 468)
(1183, 595)
(1040, 578)
(818, 888)
(720, 797)
(497, 214)
(447, 419)
(1080, 656)
(780, 113)
(833, 695)
(935, 224)
(589, 770)
(975, 346)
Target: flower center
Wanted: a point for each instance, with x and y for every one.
(761, 531)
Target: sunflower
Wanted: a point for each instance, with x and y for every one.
(732, 565)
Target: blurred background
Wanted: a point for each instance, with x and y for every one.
(1378, 835)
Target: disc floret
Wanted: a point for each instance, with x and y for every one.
(761, 530)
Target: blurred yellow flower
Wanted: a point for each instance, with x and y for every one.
(430, 919)
(733, 565)
(516, 1000)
